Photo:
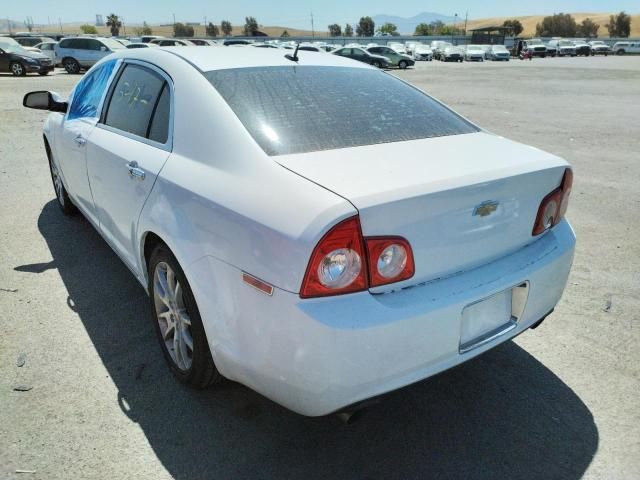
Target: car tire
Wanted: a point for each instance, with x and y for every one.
(62, 196)
(195, 369)
(17, 69)
(402, 65)
(620, 52)
(71, 65)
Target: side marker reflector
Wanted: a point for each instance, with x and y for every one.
(257, 283)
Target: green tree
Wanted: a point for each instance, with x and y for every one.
(588, 28)
(388, 28)
(88, 29)
(557, 25)
(335, 30)
(285, 34)
(226, 27)
(514, 27)
(619, 25)
(422, 30)
(348, 30)
(212, 30)
(114, 24)
(436, 27)
(366, 27)
(250, 26)
(182, 30)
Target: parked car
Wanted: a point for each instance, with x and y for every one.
(422, 52)
(552, 51)
(142, 45)
(32, 40)
(438, 46)
(397, 47)
(621, 48)
(235, 41)
(499, 53)
(14, 58)
(452, 54)
(310, 48)
(582, 48)
(123, 41)
(77, 53)
(172, 42)
(396, 59)
(533, 48)
(263, 45)
(598, 47)
(564, 47)
(474, 53)
(362, 55)
(148, 38)
(203, 42)
(49, 49)
(409, 47)
(316, 281)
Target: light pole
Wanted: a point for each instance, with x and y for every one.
(455, 22)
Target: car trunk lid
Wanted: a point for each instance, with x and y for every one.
(461, 201)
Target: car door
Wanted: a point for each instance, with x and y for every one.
(127, 150)
(78, 125)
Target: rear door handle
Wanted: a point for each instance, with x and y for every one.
(80, 140)
(135, 171)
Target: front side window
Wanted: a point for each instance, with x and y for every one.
(134, 100)
(88, 93)
(351, 107)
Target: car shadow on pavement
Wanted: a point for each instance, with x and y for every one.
(503, 415)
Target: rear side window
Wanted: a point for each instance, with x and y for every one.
(295, 109)
(135, 98)
(89, 92)
(159, 128)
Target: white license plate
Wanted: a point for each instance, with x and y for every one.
(491, 317)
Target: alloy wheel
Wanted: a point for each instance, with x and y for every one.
(17, 69)
(172, 315)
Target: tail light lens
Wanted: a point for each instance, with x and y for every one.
(340, 263)
(390, 260)
(337, 263)
(554, 206)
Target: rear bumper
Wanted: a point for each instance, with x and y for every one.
(317, 356)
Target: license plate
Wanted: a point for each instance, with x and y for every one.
(487, 319)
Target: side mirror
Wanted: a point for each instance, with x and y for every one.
(103, 49)
(43, 100)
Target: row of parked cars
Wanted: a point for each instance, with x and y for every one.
(562, 47)
(37, 54)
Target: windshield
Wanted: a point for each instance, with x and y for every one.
(499, 48)
(12, 47)
(295, 109)
(566, 43)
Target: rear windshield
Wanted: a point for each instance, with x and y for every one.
(296, 109)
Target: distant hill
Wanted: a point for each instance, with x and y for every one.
(408, 25)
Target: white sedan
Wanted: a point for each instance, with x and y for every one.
(301, 233)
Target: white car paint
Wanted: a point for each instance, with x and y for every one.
(224, 207)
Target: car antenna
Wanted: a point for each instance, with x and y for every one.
(294, 57)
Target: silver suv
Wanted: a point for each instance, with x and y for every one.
(77, 53)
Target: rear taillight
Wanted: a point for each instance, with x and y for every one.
(340, 263)
(554, 206)
(390, 260)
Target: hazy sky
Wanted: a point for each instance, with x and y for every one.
(294, 13)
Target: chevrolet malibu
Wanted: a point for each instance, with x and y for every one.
(309, 226)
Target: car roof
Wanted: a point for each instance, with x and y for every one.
(221, 58)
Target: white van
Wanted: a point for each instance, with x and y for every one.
(620, 48)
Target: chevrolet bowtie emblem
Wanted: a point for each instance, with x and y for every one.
(486, 208)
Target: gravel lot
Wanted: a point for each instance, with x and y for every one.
(558, 402)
